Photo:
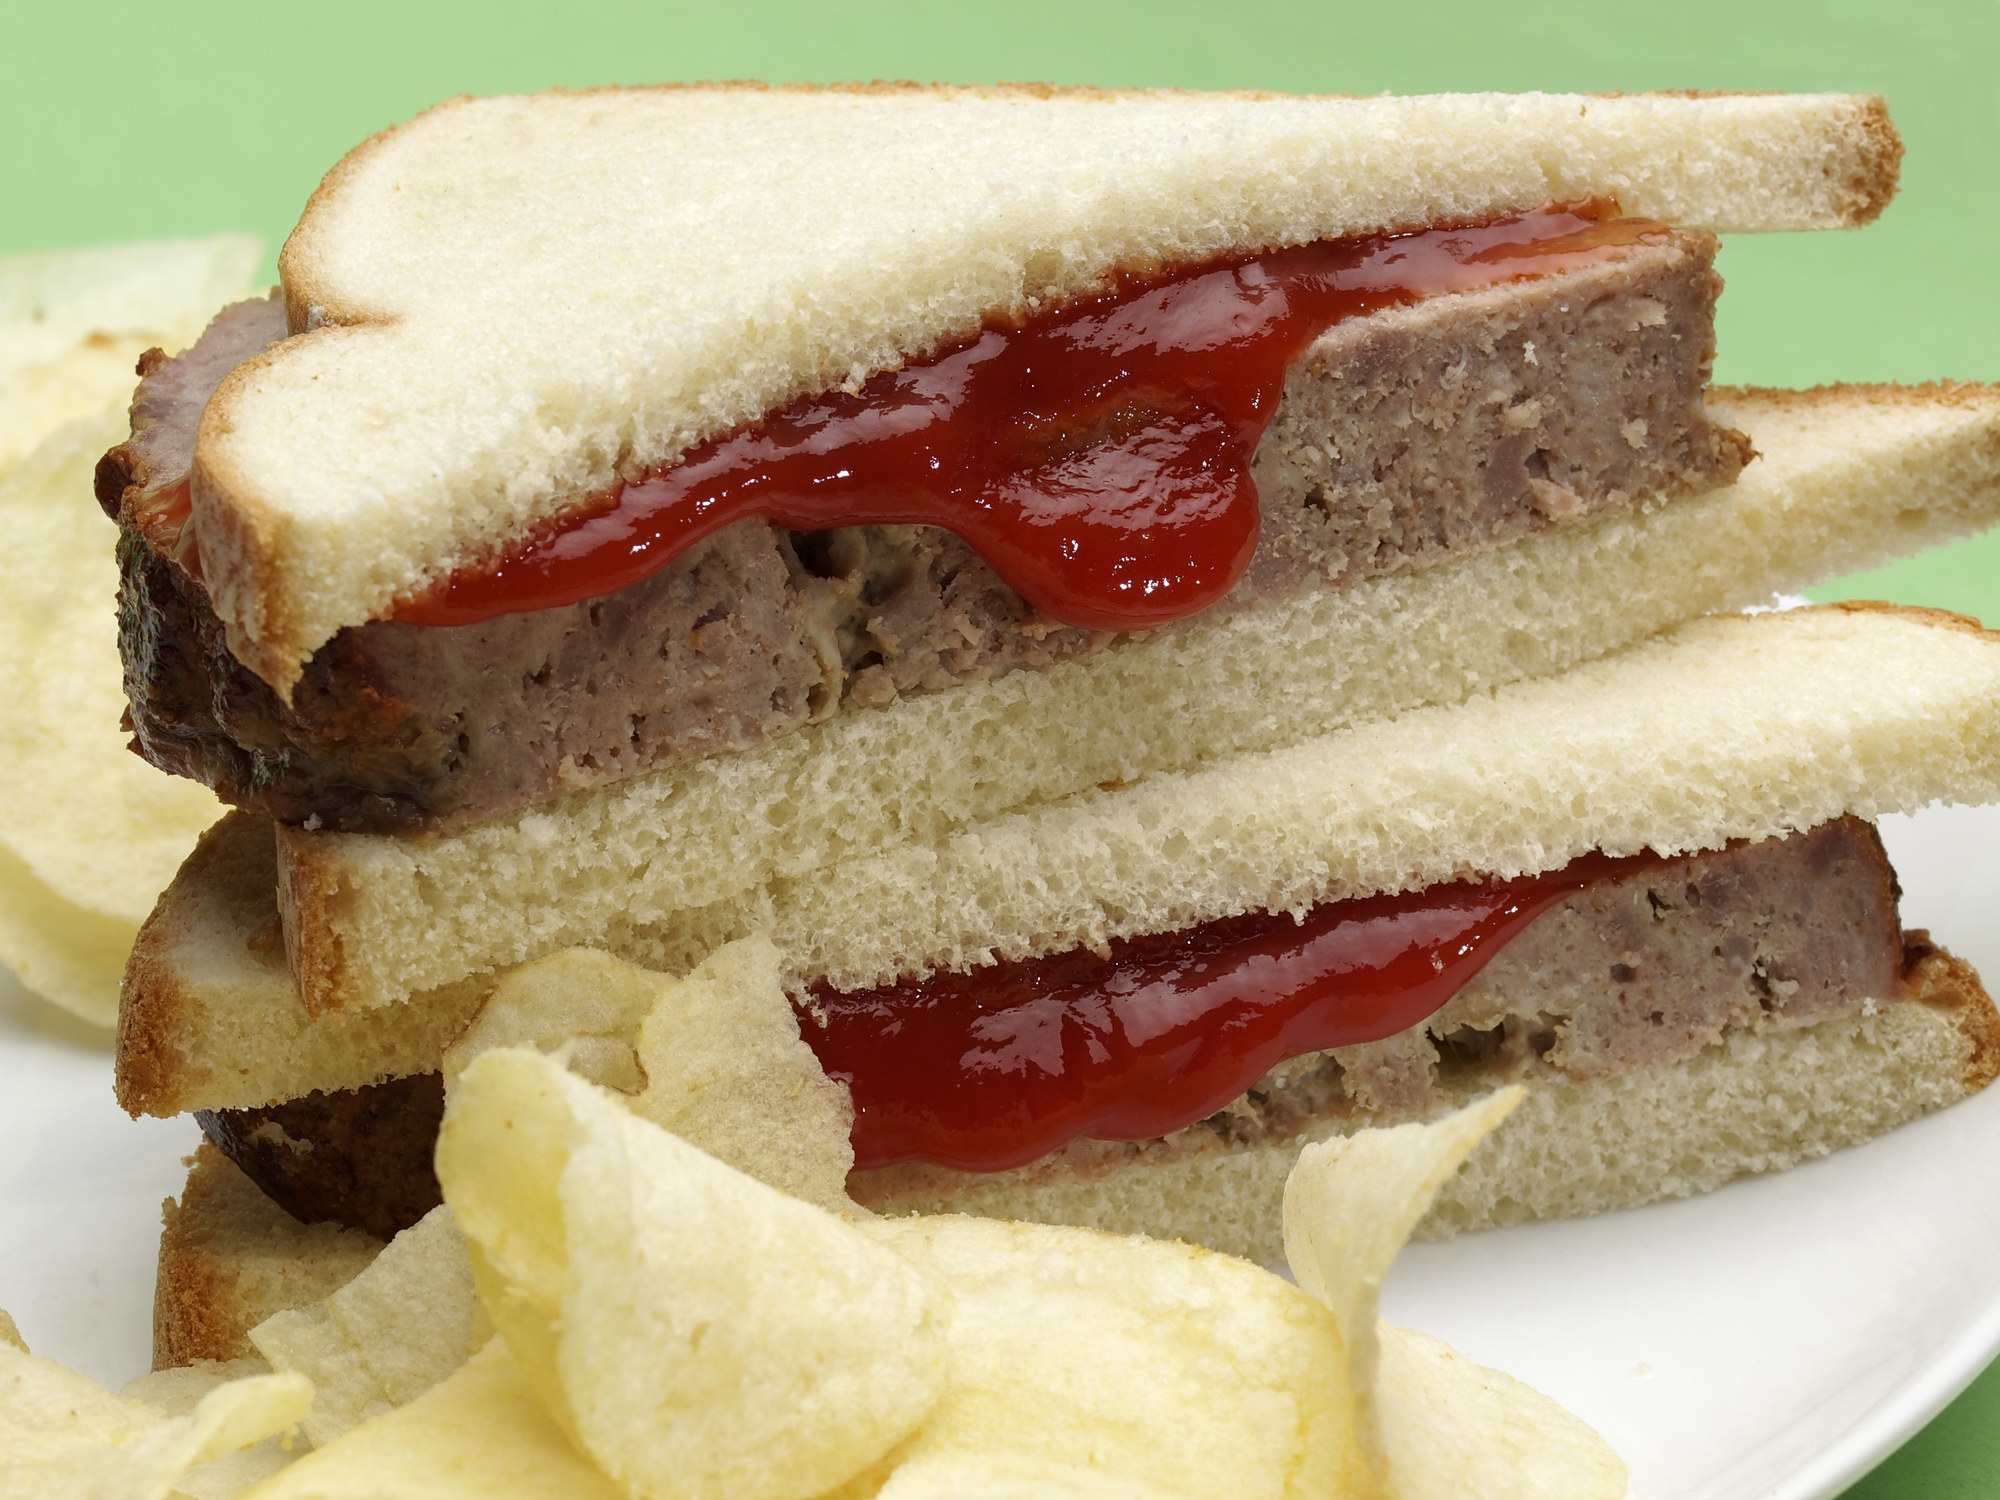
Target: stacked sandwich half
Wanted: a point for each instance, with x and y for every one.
(1192, 622)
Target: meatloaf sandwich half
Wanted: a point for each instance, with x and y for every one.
(644, 517)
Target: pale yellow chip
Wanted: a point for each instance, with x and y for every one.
(698, 1333)
(179, 1391)
(727, 1071)
(581, 1002)
(1455, 1430)
(89, 834)
(396, 1330)
(716, 1058)
(986, 1474)
(61, 1433)
(1157, 1368)
(163, 290)
(1350, 1205)
(9, 1334)
(97, 374)
(480, 1435)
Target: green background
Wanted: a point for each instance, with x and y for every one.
(129, 120)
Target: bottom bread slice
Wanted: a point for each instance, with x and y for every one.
(230, 1257)
(1758, 1101)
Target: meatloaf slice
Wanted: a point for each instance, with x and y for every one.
(1627, 974)
(1402, 438)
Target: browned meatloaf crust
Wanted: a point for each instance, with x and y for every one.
(1454, 425)
(1627, 974)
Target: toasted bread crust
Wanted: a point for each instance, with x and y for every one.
(208, 1014)
(230, 1258)
(158, 1002)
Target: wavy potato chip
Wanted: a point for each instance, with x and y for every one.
(480, 1435)
(680, 1321)
(396, 1330)
(1351, 1204)
(63, 1434)
(1440, 1426)
(164, 290)
(1455, 1430)
(581, 1002)
(178, 1392)
(697, 1333)
(91, 834)
(727, 1071)
(716, 1057)
(1161, 1368)
(93, 375)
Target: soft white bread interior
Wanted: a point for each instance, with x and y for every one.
(1757, 1102)
(1848, 478)
(507, 302)
(1732, 727)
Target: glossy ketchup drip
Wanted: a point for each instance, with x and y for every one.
(991, 1069)
(1096, 454)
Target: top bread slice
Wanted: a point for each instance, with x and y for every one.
(507, 303)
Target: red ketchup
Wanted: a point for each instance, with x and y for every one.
(1096, 454)
(992, 1069)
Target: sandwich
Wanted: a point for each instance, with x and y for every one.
(1020, 550)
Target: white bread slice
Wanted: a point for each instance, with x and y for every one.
(1733, 727)
(507, 302)
(1758, 1102)
(1849, 477)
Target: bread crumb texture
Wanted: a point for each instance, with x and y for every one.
(506, 303)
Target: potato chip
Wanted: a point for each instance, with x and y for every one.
(480, 1435)
(61, 1433)
(163, 290)
(580, 999)
(9, 1334)
(727, 1071)
(716, 1057)
(92, 833)
(396, 1330)
(178, 1392)
(699, 1333)
(1454, 1430)
(95, 375)
(981, 1474)
(1163, 1368)
(1350, 1205)
(61, 952)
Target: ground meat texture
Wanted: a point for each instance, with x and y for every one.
(1402, 438)
(1627, 974)
(360, 1157)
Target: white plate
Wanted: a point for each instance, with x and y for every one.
(1770, 1341)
